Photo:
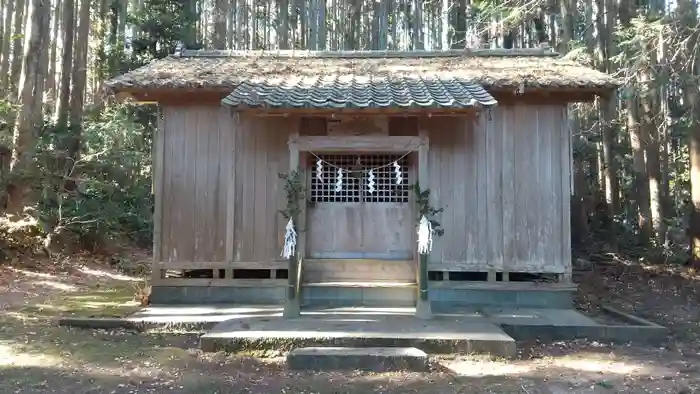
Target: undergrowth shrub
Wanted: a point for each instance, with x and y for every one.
(103, 198)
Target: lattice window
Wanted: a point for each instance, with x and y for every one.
(355, 186)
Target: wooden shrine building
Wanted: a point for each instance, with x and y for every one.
(356, 148)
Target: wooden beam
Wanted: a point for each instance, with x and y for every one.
(174, 96)
(479, 266)
(520, 286)
(539, 96)
(190, 265)
(358, 143)
(206, 282)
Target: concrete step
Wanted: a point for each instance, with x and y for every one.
(375, 359)
(439, 335)
(361, 284)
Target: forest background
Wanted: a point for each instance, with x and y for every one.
(75, 166)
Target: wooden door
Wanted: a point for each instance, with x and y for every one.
(356, 222)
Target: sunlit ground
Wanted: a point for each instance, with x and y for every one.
(37, 356)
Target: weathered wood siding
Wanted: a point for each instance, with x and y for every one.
(205, 148)
(503, 182)
(262, 154)
(194, 183)
(504, 186)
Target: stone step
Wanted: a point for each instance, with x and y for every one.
(335, 328)
(376, 359)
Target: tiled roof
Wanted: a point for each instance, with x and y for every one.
(351, 91)
(534, 68)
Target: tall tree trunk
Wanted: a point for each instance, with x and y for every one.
(104, 66)
(283, 26)
(51, 78)
(687, 13)
(134, 8)
(7, 44)
(18, 31)
(3, 36)
(608, 112)
(568, 10)
(321, 25)
(590, 40)
(649, 98)
(190, 27)
(31, 89)
(459, 24)
(66, 62)
(638, 140)
(219, 40)
(641, 177)
(123, 7)
(608, 107)
(79, 78)
(665, 125)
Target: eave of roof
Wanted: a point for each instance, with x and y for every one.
(492, 69)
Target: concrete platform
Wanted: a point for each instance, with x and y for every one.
(538, 317)
(566, 324)
(350, 327)
(376, 359)
(464, 330)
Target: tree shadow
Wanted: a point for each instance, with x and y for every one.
(220, 373)
(664, 294)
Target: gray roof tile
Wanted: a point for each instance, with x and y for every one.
(356, 91)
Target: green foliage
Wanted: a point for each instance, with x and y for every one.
(294, 192)
(162, 25)
(106, 194)
(427, 210)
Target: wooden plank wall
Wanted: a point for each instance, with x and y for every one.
(262, 154)
(201, 145)
(193, 214)
(501, 183)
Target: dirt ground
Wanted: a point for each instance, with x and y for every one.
(36, 356)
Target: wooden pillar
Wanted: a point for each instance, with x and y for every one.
(228, 139)
(567, 158)
(158, 150)
(423, 310)
(291, 306)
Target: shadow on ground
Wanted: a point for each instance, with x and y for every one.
(36, 356)
(49, 359)
(221, 374)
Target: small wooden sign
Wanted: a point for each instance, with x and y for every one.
(354, 125)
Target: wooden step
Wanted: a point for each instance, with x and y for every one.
(361, 284)
(358, 270)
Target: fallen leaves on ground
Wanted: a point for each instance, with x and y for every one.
(36, 356)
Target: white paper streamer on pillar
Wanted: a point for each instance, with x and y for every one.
(319, 170)
(370, 182)
(290, 240)
(397, 172)
(339, 181)
(425, 236)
